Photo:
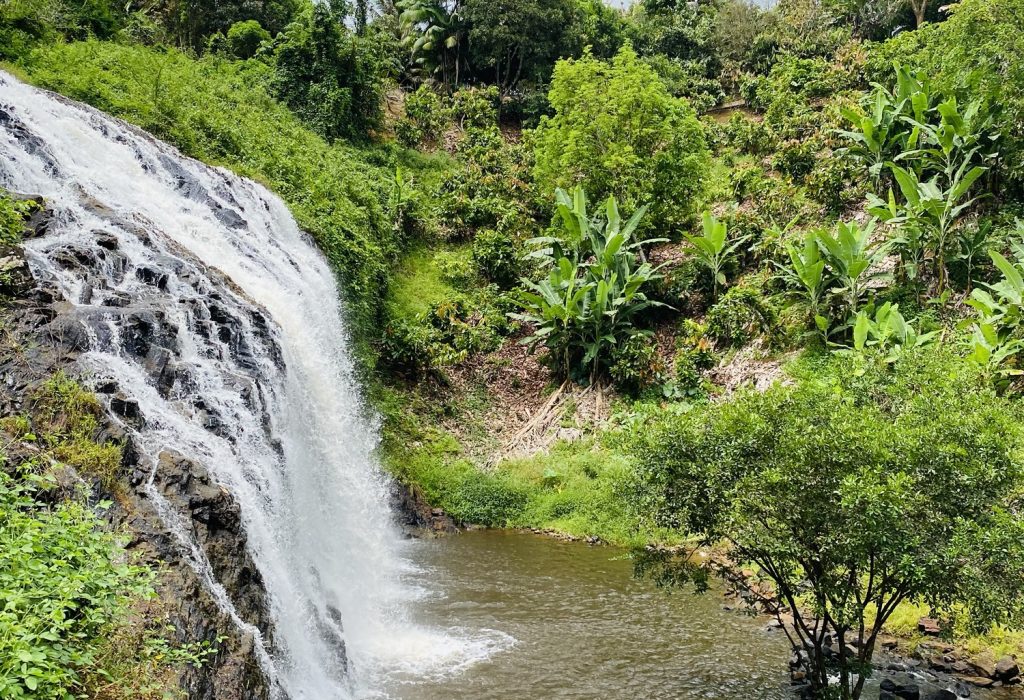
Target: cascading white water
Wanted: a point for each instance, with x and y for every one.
(209, 307)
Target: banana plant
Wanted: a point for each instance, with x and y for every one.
(959, 136)
(433, 34)
(888, 333)
(883, 127)
(996, 354)
(593, 291)
(995, 340)
(714, 250)
(933, 207)
(806, 273)
(852, 258)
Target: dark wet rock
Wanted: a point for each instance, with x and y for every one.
(126, 409)
(942, 694)
(1006, 669)
(15, 277)
(152, 277)
(67, 333)
(415, 514)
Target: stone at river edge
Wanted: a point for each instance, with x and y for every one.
(1007, 669)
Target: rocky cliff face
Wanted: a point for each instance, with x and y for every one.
(40, 337)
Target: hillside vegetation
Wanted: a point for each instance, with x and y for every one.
(692, 274)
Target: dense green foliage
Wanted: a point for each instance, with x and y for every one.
(862, 210)
(616, 131)
(220, 112)
(802, 483)
(594, 287)
(63, 586)
(327, 75)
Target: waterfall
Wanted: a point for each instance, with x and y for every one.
(206, 304)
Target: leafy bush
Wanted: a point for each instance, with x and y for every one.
(796, 158)
(63, 587)
(969, 51)
(843, 524)
(329, 76)
(617, 132)
(486, 499)
(245, 38)
(740, 316)
(12, 218)
(27, 23)
(496, 256)
(714, 250)
(636, 365)
(425, 117)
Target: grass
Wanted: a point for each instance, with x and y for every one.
(419, 284)
(998, 641)
(66, 419)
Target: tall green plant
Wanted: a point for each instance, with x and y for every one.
(593, 290)
(433, 34)
(888, 122)
(806, 274)
(931, 211)
(714, 250)
(996, 341)
(852, 258)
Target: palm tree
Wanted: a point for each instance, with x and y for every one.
(433, 34)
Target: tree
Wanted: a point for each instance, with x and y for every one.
(509, 41)
(919, 7)
(433, 33)
(849, 494)
(327, 75)
(190, 22)
(618, 132)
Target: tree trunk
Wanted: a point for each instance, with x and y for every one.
(919, 9)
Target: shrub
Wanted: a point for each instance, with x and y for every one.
(617, 132)
(63, 587)
(331, 78)
(740, 316)
(245, 38)
(796, 158)
(425, 117)
(636, 365)
(12, 218)
(486, 499)
(27, 23)
(496, 257)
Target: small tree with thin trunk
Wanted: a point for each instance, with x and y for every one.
(849, 495)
